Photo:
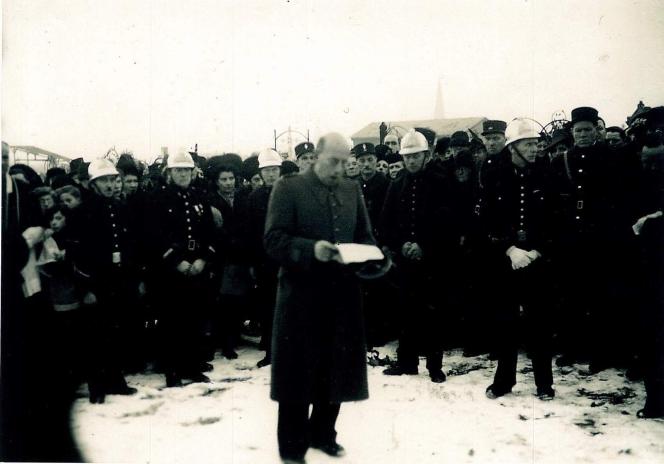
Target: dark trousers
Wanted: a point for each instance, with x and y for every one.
(266, 295)
(378, 308)
(419, 320)
(104, 333)
(651, 330)
(296, 429)
(527, 288)
(230, 316)
(478, 288)
(36, 395)
(183, 322)
(595, 281)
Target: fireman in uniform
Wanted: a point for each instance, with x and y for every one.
(105, 261)
(265, 269)
(518, 211)
(418, 226)
(184, 249)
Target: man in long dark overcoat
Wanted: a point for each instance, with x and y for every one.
(318, 346)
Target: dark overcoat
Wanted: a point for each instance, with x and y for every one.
(374, 191)
(318, 346)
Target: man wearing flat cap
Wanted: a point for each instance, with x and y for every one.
(305, 154)
(318, 346)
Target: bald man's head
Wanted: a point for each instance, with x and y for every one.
(333, 150)
(333, 144)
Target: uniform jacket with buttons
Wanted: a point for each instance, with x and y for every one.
(585, 180)
(419, 208)
(374, 191)
(181, 226)
(518, 207)
(107, 245)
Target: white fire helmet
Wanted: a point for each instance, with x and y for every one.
(521, 128)
(181, 160)
(269, 157)
(100, 168)
(413, 142)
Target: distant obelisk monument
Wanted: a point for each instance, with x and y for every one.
(438, 112)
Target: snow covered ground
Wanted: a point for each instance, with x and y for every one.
(407, 419)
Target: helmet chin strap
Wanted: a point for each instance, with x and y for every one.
(518, 153)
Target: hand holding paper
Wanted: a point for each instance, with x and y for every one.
(358, 253)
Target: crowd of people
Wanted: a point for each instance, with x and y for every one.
(493, 241)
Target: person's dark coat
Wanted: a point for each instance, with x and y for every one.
(106, 246)
(585, 181)
(181, 227)
(232, 240)
(518, 207)
(651, 332)
(318, 348)
(420, 208)
(374, 191)
(257, 205)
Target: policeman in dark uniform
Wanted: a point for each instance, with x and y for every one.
(105, 261)
(305, 154)
(183, 239)
(518, 212)
(418, 226)
(493, 135)
(585, 181)
(374, 187)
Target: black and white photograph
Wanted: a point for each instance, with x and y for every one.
(351, 231)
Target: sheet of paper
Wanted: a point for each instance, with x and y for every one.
(358, 253)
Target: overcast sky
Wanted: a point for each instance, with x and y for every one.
(82, 76)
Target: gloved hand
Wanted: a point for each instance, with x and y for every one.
(415, 252)
(519, 257)
(89, 298)
(197, 267)
(636, 228)
(183, 267)
(533, 255)
(405, 249)
(325, 251)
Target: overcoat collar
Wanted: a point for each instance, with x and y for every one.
(321, 191)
